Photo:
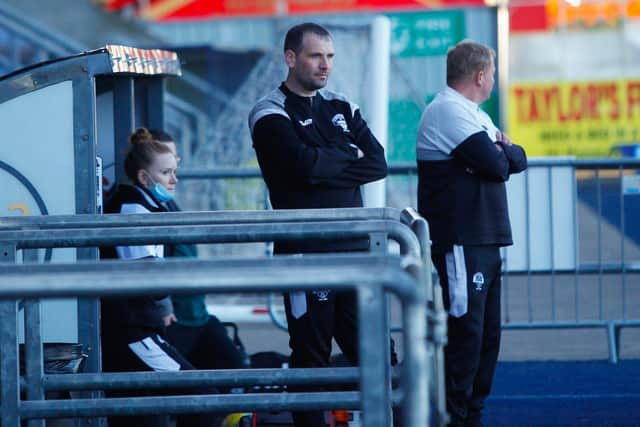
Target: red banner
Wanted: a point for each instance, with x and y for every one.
(548, 15)
(162, 10)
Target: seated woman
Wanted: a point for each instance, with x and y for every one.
(196, 333)
(133, 328)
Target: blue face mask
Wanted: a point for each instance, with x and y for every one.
(159, 191)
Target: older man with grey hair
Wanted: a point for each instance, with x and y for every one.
(463, 163)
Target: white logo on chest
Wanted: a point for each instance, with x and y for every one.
(305, 122)
(339, 121)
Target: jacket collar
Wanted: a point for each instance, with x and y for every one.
(292, 95)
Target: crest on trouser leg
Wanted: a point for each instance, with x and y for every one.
(322, 295)
(478, 280)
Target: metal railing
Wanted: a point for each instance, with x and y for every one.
(584, 278)
(79, 231)
(370, 275)
(581, 222)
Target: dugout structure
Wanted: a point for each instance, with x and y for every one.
(63, 122)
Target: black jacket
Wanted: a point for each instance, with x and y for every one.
(137, 317)
(464, 199)
(307, 148)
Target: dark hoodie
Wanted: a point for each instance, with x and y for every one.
(138, 317)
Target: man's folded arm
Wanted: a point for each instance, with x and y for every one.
(479, 153)
(282, 152)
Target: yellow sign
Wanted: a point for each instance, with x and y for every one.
(584, 119)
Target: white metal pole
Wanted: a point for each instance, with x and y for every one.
(503, 60)
(378, 116)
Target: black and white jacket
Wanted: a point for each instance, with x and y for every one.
(462, 174)
(307, 148)
(134, 317)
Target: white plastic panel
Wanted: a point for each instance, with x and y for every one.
(38, 145)
(542, 210)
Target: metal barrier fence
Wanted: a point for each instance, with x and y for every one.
(78, 231)
(577, 252)
(370, 275)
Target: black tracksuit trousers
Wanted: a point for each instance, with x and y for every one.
(314, 318)
(473, 338)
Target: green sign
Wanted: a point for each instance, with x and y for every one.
(404, 116)
(426, 34)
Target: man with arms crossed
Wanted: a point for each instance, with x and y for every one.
(463, 163)
(315, 150)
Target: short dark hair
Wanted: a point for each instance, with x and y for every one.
(293, 39)
(466, 58)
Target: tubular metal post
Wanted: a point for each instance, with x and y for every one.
(552, 250)
(200, 378)
(623, 233)
(9, 360)
(419, 344)
(33, 352)
(89, 321)
(415, 338)
(124, 119)
(435, 338)
(190, 404)
(440, 340)
(527, 204)
(576, 261)
(139, 234)
(154, 96)
(199, 218)
(34, 369)
(89, 337)
(379, 245)
(612, 341)
(376, 399)
(9, 364)
(599, 210)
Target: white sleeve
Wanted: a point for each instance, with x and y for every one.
(444, 126)
(137, 252)
(455, 125)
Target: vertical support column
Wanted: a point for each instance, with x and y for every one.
(86, 187)
(123, 120)
(417, 366)
(33, 353)
(374, 365)
(9, 368)
(150, 92)
(34, 369)
(374, 333)
(380, 65)
(89, 321)
(379, 245)
(89, 337)
(503, 59)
